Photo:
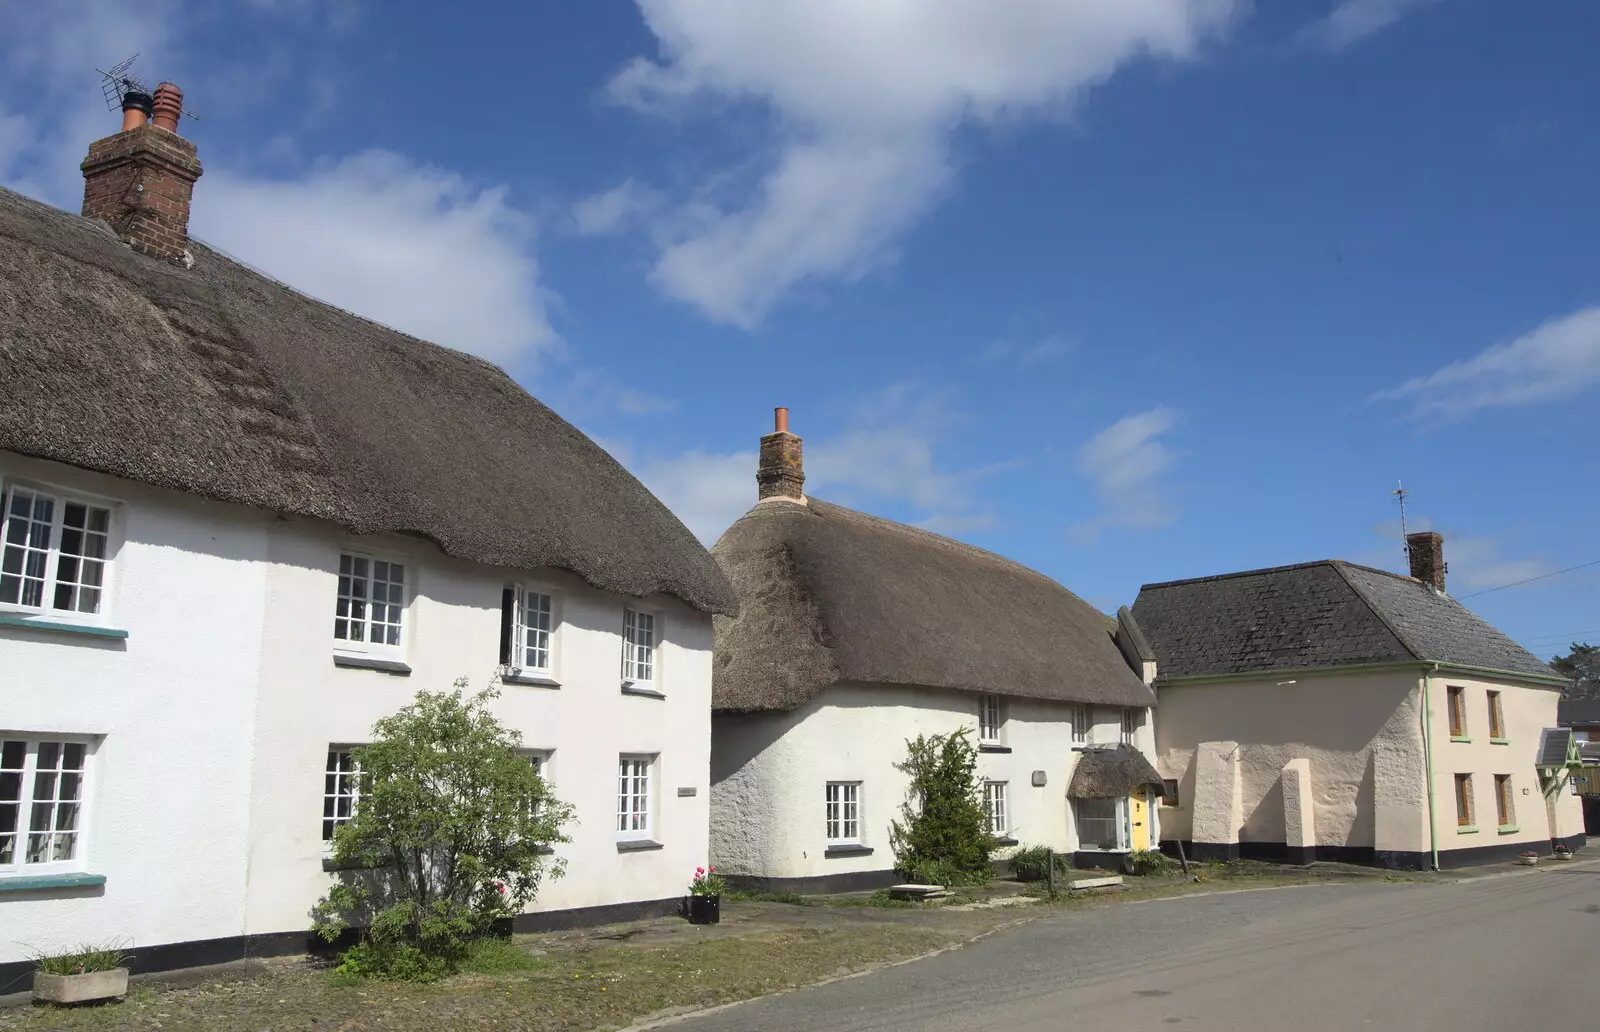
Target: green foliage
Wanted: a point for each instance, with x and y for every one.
(1029, 863)
(1149, 861)
(881, 898)
(945, 832)
(496, 956)
(707, 882)
(793, 899)
(1582, 667)
(86, 958)
(451, 834)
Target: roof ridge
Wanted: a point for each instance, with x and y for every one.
(1239, 573)
(1366, 600)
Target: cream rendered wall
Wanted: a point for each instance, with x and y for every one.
(1527, 712)
(1361, 732)
(170, 707)
(769, 773)
(452, 630)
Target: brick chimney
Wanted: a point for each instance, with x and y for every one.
(1426, 550)
(140, 180)
(781, 473)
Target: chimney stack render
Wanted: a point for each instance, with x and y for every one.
(141, 179)
(780, 473)
(1426, 550)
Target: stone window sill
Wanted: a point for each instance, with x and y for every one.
(1460, 738)
(1007, 841)
(638, 845)
(1466, 829)
(530, 680)
(1499, 741)
(847, 850)
(35, 623)
(37, 882)
(387, 666)
(1508, 829)
(630, 688)
(994, 747)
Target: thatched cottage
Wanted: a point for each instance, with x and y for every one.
(239, 526)
(855, 634)
(1330, 711)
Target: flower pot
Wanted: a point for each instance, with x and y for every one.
(705, 909)
(1527, 861)
(93, 985)
(1027, 872)
(1566, 856)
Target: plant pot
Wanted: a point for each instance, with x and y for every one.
(1527, 861)
(93, 985)
(1566, 857)
(705, 909)
(1026, 872)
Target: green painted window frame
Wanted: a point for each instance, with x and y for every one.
(1466, 829)
(1508, 829)
(1499, 741)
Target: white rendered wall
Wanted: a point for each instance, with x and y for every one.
(770, 770)
(171, 706)
(452, 630)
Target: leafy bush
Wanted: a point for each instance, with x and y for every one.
(495, 956)
(1149, 861)
(83, 960)
(450, 835)
(944, 838)
(1029, 863)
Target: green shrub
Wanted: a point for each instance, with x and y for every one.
(450, 835)
(85, 959)
(944, 837)
(495, 956)
(1149, 861)
(1029, 863)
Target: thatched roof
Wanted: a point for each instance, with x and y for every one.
(221, 382)
(827, 594)
(1111, 773)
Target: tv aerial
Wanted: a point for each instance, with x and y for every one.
(118, 82)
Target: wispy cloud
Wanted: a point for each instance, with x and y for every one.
(1354, 20)
(860, 152)
(1025, 355)
(1559, 359)
(1125, 463)
(1476, 561)
(615, 210)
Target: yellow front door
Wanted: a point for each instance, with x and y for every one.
(1139, 818)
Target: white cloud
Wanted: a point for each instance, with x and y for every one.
(615, 210)
(1557, 360)
(1354, 20)
(1475, 562)
(1125, 462)
(1025, 355)
(414, 247)
(864, 97)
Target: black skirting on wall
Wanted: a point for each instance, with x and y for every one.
(821, 884)
(1366, 856)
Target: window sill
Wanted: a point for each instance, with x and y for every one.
(638, 845)
(847, 850)
(39, 623)
(995, 747)
(387, 666)
(36, 882)
(530, 680)
(1466, 829)
(1007, 841)
(630, 688)
(1460, 738)
(1508, 829)
(1499, 741)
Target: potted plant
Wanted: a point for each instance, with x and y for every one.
(89, 973)
(705, 896)
(1528, 858)
(1563, 852)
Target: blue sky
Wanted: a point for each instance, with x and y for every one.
(1129, 292)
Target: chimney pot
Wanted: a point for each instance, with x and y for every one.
(781, 473)
(136, 107)
(141, 179)
(1426, 552)
(167, 107)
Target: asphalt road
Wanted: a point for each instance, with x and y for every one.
(1488, 955)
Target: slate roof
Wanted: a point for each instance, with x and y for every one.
(827, 594)
(1572, 712)
(1322, 614)
(221, 382)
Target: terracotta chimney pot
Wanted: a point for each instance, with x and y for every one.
(168, 107)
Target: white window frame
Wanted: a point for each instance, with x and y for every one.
(354, 773)
(1132, 719)
(366, 647)
(1120, 816)
(521, 628)
(991, 719)
(995, 792)
(1079, 717)
(540, 760)
(842, 813)
(640, 667)
(26, 787)
(59, 500)
(630, 796)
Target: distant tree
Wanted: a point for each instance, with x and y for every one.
(1582, 667)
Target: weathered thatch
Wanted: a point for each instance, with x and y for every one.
(827, 594)
(1111, 772)
(221, 382)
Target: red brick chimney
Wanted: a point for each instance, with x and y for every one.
(1426, 550)
(781, 473)
(140, 180)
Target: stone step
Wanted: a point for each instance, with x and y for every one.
(914, 891)
(1085, 884)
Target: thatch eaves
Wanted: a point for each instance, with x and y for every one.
(221, 382)
(1111, 772)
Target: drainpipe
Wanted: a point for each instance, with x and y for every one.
(1427, 753)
